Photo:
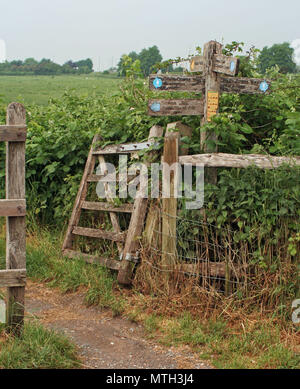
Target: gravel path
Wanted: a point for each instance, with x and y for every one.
(104, 342)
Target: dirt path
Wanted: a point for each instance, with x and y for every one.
(104, 342)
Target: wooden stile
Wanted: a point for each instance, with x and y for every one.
(127, 241)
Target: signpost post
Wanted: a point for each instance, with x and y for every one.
(218, 71)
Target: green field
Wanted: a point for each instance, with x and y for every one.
(38, 89)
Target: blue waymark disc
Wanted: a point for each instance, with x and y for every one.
(157, 82)
(264, 86)
(155, 107)
(232, 66)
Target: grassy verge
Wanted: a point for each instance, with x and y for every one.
(38, 348)
(253, 345)
(243, 342)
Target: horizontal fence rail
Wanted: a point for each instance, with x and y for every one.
(238, 161)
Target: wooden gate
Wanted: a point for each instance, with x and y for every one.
(14, 209)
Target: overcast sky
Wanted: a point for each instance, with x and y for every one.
(104, 30)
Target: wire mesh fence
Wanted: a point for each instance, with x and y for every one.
(213, 261)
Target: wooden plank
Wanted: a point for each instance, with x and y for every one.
(81, 195)
(15, 226)
(169, 200)
(93, 259)
(214, 269)
(152, 232)
(220, 63)
(13, 133)
(226, 65)
(109, 196)
(12, 278)
(125, 148)
(212, 86)
(12, 207)
(176, 107)
(136, 225)
(243, 85)
(108, 178)
(101, 206)
(184, 131)
(197, 63)
(239, 160)
(178, 83)
(101, 234)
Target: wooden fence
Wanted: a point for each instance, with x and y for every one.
(14, 209)
(169, 205)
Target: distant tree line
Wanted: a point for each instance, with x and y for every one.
(147, 58)
(45, 67)
(280, 54)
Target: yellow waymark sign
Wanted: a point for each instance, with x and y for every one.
(192, 65)
(212, 104)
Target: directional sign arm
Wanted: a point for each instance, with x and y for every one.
(221, 64)
(176, 107)
(244, 85)
(177, 83)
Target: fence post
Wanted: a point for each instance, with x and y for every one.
(15, 226)
(169, 204)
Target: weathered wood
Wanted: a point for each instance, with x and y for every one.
(101, 234)
(239, 160)
(176, 107)
(197, 63)
(109, 196)
(178, 83)
(214, 269)
(101, 206)
(169, 200)
(12, 207)
(81, 195)
(135, 227)
(93, 259)
(13, 133)
(15, 226)
(152, 232)
(125, 148)
(226, 65)
(244, 85)
(108, 178)
(212, 86)
(13, 278)
(184, 131)
(220, 63)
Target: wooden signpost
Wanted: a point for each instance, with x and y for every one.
(218, 71)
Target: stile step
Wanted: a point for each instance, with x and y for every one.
(101, 234)
(100, 206)
(93, 259)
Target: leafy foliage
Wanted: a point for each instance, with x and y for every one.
(280, 55)
(147, 59)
